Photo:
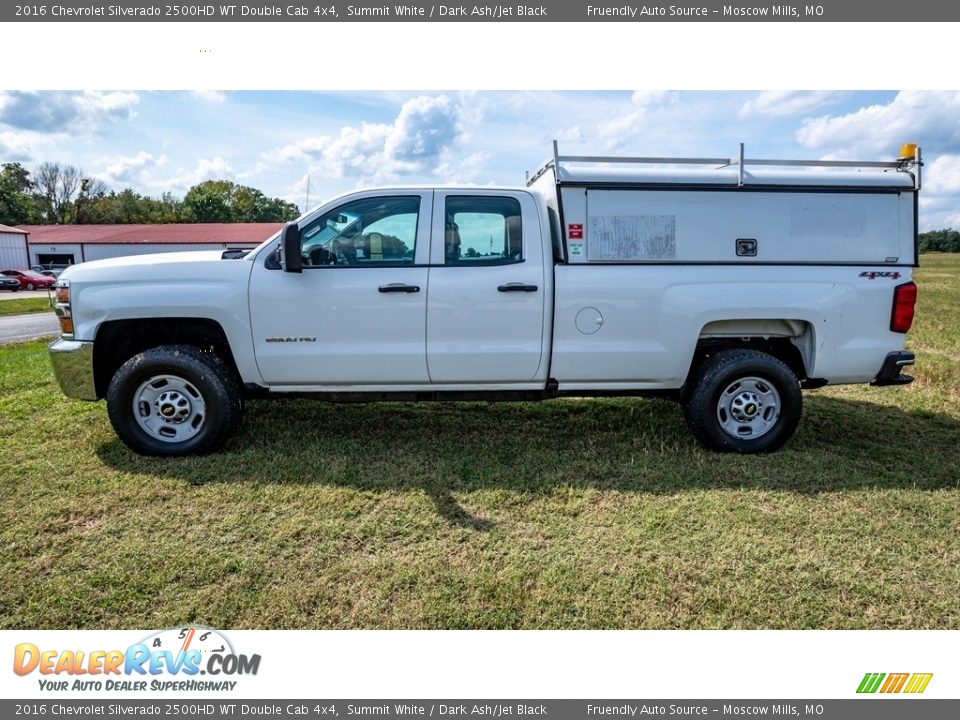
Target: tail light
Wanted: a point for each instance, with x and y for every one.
(904, 302)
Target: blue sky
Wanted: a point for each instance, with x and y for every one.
(166, 141)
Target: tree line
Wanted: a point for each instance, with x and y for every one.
(58, 194)
(940, 241)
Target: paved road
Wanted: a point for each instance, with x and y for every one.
(16, 328)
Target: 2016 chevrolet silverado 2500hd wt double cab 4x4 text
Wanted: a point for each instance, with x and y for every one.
(728, 288)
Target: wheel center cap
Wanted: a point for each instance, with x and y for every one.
(746, 407)
(173, 407)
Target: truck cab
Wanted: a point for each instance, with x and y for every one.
(407, 289)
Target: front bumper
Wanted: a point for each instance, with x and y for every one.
(890, 370)
(73, 367)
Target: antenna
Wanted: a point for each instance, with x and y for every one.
(307, 208)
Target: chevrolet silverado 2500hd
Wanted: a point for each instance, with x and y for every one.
(727, 284)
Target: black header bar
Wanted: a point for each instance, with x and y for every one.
(333, 11)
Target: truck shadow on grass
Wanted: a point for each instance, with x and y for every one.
(624, 445)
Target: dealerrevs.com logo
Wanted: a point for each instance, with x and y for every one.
(890, 683)
(181, 659)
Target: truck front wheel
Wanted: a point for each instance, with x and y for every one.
(174, 400)
(743, 401)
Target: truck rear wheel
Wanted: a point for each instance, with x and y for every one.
(743, 401)
(174, 400)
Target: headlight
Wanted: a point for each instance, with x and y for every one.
(63, 307)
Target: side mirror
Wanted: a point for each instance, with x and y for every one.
(290, 258)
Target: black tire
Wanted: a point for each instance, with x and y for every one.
(217, 391)
(723, 381)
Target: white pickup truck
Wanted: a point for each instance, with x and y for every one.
(727, 284)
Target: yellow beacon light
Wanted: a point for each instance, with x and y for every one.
(908, 151)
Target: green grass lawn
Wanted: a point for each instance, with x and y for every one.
(21, 306)
(564, 514)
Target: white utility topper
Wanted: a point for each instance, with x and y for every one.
(727, 284)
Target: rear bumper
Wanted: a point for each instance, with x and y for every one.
(890, 370)
(73, 366)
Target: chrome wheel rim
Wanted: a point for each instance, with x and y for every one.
(169, 408)
(748, 408)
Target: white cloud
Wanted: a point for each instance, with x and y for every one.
(206, 169)
(301, 150)
(877, 131)
(472, 108)
(940, 196)
(296, 193)
(210, 96)
(569, 135)
(359, 151)
(22, 146)
(649, 98)
(939, 212)
(421, 140)
(779, 103)
(129, 169)
(929, 118)
(950, 220)
(943, 175)
(463, 172)
(70, 113)
(622, 129)
(424, 128)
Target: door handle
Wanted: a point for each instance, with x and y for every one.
(517, 287)
(399, 288)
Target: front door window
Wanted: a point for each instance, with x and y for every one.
(373, 232)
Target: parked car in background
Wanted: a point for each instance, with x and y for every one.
(52, 271)
(9, 283)
(30, 280)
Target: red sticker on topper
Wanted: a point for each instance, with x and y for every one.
(575, 231)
